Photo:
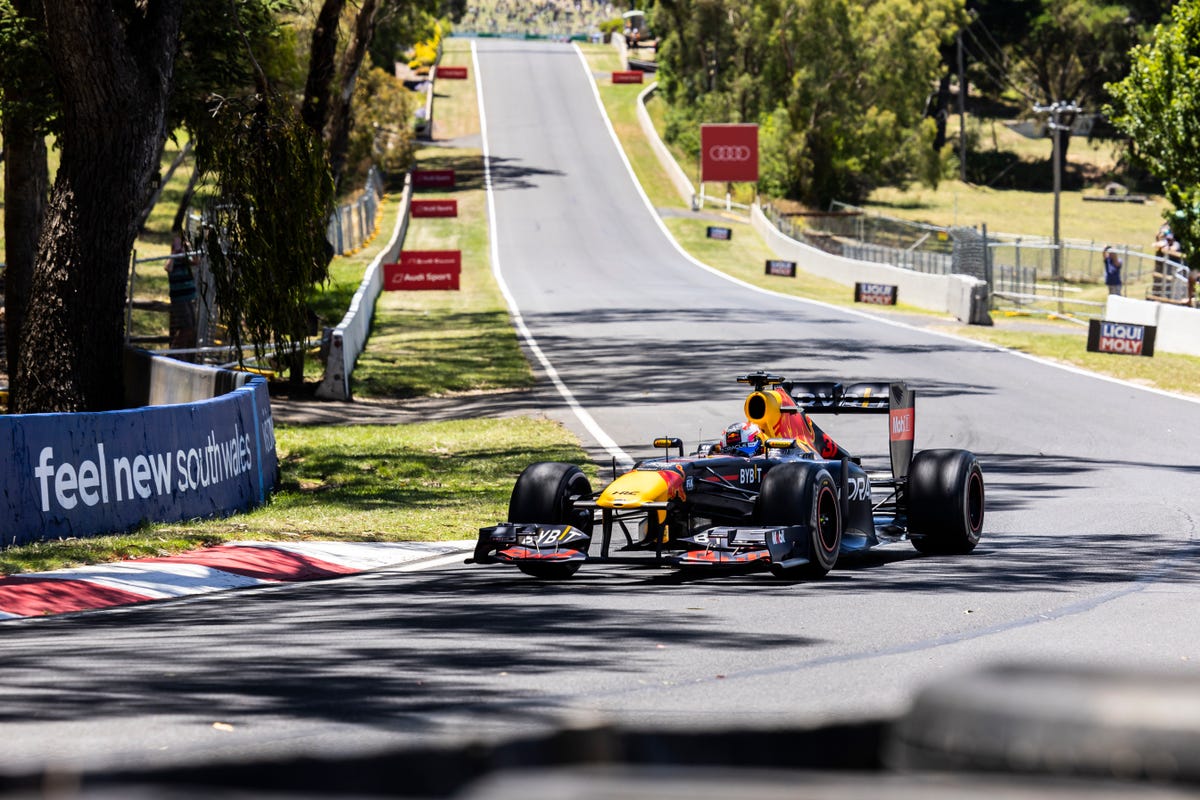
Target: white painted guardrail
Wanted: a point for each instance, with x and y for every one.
(347, 340)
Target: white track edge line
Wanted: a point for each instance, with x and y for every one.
(589, 422)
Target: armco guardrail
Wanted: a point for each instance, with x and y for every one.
(961, 295)
(87, 474)
(347, 340)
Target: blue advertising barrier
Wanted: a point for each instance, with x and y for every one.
(91, 473)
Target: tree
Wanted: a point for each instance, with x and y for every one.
(265, 239)
(1074, 47)
(1157, 105)
(850, 78)
(113, 66)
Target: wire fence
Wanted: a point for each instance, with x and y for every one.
(352, 225)
(1025, 274)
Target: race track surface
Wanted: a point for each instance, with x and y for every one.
(1089, 555)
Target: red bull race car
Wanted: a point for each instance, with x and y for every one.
(777, 492)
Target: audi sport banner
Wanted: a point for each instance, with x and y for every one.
(786, 269)
(433, 178)
(729, 153)
(1123, 338)
(627, 76)
(881, 294)
(714, 232)
(433, 208)
(424, 269)
(450, 73)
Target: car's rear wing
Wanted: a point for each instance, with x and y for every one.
(894, 399)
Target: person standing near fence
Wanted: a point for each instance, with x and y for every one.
(1112, 271)
(182, 285)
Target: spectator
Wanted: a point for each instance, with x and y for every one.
(1112, 271)
(182, 286)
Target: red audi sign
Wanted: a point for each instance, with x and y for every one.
(451, 73)
(434, 208)
(627, 76)
(423, 269)
(433, 178)
(729, 153)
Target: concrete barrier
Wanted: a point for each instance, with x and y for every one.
(963, 296)
(679, 179)
(152, 380)
(1178, 326)
(347, 340)
(87, 474)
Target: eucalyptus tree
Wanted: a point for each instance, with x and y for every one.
(1157, 105)
(838, 86)
(113, 66)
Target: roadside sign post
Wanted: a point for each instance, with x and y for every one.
(729, 154)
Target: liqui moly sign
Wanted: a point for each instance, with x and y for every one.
(1122, 338)
(882, 294)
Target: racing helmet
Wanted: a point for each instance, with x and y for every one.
(744, 437)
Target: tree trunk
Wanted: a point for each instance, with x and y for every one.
(114, 71)
(942, 111)
(26, 178)
(162, 182)
(342, 118)
(185, 201)
(322, 66)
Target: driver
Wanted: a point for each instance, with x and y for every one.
(744, 438)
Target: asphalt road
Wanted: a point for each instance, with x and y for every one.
(1088, 558)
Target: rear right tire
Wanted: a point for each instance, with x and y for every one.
(945, 501)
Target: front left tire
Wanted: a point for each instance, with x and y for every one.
(542, 494)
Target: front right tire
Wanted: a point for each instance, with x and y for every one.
(804, 494)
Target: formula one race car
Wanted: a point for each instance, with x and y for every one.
(776, 492)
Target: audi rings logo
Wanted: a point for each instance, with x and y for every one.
(729, 152)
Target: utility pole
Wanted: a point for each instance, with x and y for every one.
(1056, 110)
(962, 113)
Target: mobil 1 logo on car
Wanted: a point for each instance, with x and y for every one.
(1123, 338)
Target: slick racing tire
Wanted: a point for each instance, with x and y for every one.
(542, 494)
(804, 494)
(945, 501)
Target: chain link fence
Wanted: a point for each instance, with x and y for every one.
(1025, 274)
(352, 225)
